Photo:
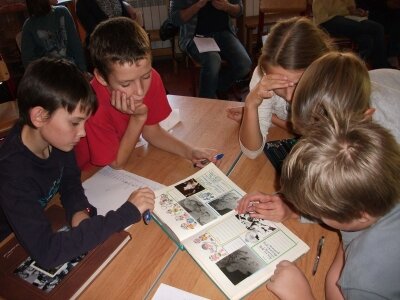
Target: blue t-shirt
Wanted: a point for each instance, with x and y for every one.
(372, 260)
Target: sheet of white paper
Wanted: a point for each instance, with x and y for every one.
(167, 124)
(167, 292)
(108, 189)
(206, 44)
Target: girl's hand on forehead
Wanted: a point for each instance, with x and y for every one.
(275, 81)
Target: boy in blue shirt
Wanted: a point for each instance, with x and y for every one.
(37, 162)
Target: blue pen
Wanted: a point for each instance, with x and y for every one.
(147, 217)
(206, 161)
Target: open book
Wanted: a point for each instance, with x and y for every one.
(237, 252)
(22, 278)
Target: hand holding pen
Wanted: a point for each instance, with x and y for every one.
(201, 157)
(144, 199)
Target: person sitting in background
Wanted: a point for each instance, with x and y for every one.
(212, 18)
(337, 17)
(387, 13)
(50, 31)
(92, 12)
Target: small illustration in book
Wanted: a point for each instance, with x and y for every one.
(225, 203)
(210, 245)
(189, 187)
(198, 210)
(257, 229)
(44, 279)
(240, 264)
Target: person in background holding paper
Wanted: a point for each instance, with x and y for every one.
(212, 18)
(132, 100)
(343, 18)
(346, 174)
(37, 162)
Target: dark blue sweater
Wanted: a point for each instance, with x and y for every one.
(28, 183)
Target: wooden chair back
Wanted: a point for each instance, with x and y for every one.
(270, 11)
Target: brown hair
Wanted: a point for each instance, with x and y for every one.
(336, 84)
(118, 40)
(341, 169)
(293, 44)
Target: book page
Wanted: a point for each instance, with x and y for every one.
(108, 189)
(196, 202)
(241, 253)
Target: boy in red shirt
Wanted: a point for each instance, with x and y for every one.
(131, 97)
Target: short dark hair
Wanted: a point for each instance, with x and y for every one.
(38, 8)
(53, 83)
(118, 40)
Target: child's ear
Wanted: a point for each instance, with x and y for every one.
(368, 113)
(366, 218)
(39, 116)
(99, 77)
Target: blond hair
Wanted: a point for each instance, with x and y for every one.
(293, 44)
(336, 84)
(341, 169)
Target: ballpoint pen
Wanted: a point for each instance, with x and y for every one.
(318, 256)
(206, 161)
(147, 217)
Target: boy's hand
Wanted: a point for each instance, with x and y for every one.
(78, 217)
(288, 283)
(201, 157)
(143, 199)
(264, 206)
(126, 105)
(235, 113)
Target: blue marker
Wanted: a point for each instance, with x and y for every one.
(147, 217)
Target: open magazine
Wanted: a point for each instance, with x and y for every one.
(237, 252)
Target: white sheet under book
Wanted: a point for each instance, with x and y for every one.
(167, 292)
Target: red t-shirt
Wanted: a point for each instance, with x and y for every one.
(105, 129)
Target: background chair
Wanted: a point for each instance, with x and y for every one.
(270, 11)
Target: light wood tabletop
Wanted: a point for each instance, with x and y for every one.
(256, 175)
(133, 271)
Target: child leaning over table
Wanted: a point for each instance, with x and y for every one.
(346, 174)
(37, 162)
(323, 88)
(131, 98)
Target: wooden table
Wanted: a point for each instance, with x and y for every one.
(8, 116)
(135, 270)
(256, 175)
